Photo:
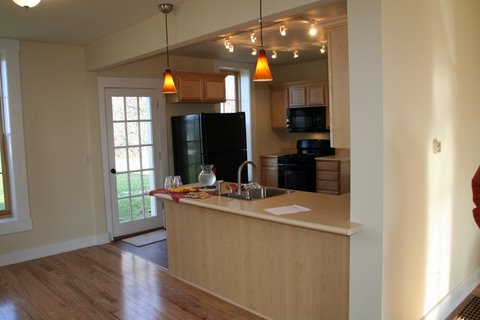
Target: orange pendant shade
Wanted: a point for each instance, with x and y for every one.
(168, 83)
(262, 70)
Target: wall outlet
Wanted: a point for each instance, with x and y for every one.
(437, 146)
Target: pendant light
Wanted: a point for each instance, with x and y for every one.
(27, 3)
(262, 70)
(168, 83)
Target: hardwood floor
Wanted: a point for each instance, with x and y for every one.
(103, 282)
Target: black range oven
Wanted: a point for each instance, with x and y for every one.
(297, 171)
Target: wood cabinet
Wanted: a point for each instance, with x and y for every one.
(269, 170)
(278, 107)
(308, 94)
(338, 80)
(333, 175)
(295, 94)
(198, 87)
(280, 271)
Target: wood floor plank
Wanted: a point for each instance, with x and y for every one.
(104, 282)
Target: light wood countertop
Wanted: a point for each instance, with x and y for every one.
(329, 213)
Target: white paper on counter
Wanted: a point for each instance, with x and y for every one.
(287, 209)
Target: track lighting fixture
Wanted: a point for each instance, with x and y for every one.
(313, 30)
(323, 49)
(283, 30)
(274, 54)
(295, 54)
(253, 37)
(254, 51)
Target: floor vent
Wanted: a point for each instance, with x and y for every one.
(471, 310)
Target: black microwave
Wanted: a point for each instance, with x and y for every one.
(307, 119)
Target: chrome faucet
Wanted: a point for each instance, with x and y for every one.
(239, 174)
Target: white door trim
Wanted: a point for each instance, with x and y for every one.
(127, 83)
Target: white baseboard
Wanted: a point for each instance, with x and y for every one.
(51, 249)
(454, 298)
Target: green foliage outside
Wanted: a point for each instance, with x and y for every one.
(140, 204)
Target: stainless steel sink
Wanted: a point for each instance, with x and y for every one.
(259, 193)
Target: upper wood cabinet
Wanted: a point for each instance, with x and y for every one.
(198, 87)
(338, 80)
(278, 107)
(311, 93)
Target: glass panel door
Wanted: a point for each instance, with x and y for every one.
(132, 150)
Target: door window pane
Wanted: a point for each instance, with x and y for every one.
(134, 158)
(147, 157)
(144, 108)
(137, 208)
(148, 206)
(146, 132)
(132, 108)
(122, 185)
(133, 134)
(119, 136)
(118, 109)
(121, 159)
(148, 180)
(136, 185)
(123, 210)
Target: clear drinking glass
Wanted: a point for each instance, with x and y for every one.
(177, 181)
(168, 182)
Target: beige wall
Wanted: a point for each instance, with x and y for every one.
(59, 147)
(146, 38)
(431, 90)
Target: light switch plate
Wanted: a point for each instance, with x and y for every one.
(437, 146)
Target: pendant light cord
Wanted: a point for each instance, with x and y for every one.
(261, 24)
(166, 31)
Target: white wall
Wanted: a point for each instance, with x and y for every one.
(366, 189)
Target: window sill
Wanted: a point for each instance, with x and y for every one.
(12, 225)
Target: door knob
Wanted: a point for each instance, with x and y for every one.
(113, 170)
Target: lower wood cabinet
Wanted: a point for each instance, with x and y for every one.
(333, 175)
(269, 170)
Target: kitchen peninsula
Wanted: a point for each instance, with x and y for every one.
(292, 266)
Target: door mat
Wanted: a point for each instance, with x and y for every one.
(147, 238)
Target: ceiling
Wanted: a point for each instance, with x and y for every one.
(78, 22)
(74, 22)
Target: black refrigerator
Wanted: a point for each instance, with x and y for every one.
(209, 138)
